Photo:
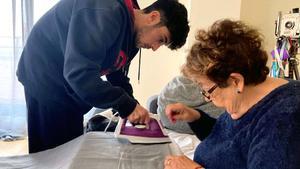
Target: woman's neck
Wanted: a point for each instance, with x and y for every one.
(253, 94)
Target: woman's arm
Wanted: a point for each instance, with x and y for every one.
(199, 121)
(202, 126)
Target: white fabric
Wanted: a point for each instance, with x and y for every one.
(187, 143)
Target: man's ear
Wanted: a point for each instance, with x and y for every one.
(153, 18)
(237, 81)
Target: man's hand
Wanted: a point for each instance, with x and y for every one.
(139, 115)
(180, 162)
(179, 111)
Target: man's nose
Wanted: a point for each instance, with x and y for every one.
(155, 47)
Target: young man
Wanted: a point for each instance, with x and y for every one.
(75, 43)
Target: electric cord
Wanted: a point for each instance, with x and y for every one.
(110, 120)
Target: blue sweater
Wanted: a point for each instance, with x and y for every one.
(75, 43)
(266, 137)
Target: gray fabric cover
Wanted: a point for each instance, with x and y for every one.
(95, 150)
(180, 89)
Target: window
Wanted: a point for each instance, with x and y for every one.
(16, 17)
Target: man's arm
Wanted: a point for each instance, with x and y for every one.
(119, 78)
(92, 32)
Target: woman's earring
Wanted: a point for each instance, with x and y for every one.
(238, 91)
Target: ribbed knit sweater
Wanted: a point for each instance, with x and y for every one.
(266, 137)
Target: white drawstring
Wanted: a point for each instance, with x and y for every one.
(109, 122)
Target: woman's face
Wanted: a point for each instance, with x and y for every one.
(221, 97)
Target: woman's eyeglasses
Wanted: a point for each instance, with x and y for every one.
(209, 91)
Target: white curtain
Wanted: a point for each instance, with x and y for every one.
(16, 19)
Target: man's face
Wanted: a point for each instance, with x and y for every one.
(152, 37)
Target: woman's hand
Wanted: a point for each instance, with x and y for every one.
(179, 111)
(180, 162)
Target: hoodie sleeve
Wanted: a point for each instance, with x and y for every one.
(91, 33)
(120, 78)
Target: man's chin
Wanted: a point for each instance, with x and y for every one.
(139, 46)
(143, 47)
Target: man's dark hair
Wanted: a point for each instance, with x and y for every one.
(174, 17)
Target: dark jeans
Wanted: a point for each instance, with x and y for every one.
(52, 123)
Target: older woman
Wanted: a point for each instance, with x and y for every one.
(261, 125)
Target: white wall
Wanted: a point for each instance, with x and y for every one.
(205, 12)
(159, 67)
(266, 12)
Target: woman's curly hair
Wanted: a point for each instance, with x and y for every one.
(228, 47)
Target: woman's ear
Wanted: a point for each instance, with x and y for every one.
(237, 81)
